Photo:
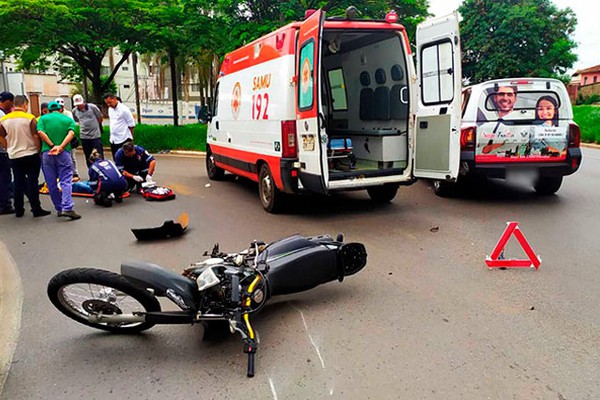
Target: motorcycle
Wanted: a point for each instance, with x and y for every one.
(225, 289)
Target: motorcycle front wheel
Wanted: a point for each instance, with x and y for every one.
(83, 292)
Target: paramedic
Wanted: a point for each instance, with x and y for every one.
(105, 179)
(136, 164)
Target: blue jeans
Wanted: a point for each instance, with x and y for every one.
(5, 182)
(26, 171)
(59, 167)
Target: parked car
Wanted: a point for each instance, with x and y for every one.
(517, 129)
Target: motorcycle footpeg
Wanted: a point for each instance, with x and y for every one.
(352, 258)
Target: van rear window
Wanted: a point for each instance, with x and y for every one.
(506, 103)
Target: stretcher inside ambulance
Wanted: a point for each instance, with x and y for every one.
(330, 105)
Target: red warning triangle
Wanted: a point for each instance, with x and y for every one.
(494, 261)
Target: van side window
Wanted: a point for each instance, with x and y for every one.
(306, 84)
(216, 102)
(338, 89)
(437, 72)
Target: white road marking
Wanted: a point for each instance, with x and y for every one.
(272, 388)
(311, 339)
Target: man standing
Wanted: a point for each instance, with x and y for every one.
(6, 105)
(56, 131)
(136, 164)
(69, 114)
(121, 123)
(18, 134)
(89, 117)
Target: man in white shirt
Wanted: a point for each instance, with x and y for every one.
(121, 123)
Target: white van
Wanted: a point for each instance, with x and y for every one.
(335, 104)
(518, 128)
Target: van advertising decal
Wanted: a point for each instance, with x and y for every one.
(515, 126)
(236, 100)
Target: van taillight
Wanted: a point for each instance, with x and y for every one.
(574, 135)
(288, 139)
(467, 138)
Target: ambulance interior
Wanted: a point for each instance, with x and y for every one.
(365, 102)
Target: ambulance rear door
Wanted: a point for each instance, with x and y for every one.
(311, 135)
(437, 142)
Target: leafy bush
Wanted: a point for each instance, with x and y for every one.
(167, 137)
(588, 119)
(591, 99)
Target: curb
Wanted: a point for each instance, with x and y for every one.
(179, 153)
(591, 145)
(11, 304)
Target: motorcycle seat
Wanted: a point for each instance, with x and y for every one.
(161, 280)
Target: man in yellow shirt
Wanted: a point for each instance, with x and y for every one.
(18, 134)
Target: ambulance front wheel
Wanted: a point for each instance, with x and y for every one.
(270, 197)
(383, 194)
(214, 173)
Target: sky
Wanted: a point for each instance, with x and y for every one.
(586, 35)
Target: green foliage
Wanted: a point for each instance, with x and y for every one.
(167, 137)
(581, 100)
(515, 38)
(588, 119)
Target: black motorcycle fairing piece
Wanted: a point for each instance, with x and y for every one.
(161, 280)
(297, 264)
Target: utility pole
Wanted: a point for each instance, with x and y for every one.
(136, 86)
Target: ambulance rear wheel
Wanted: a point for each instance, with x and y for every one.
(270, 197)
(214, 173)
(547, 186)
(382, 194)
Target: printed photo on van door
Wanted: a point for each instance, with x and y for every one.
(515, 125)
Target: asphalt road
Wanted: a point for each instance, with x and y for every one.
(425, 319)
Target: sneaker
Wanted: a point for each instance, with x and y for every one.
(41, 213)
(70, 214)
(7, 210)
(19, 213)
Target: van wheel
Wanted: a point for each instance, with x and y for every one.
(443, 188)
(548, 185)
(382, 194)
(270, 197)
(214, 173)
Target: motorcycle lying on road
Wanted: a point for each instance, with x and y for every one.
(226, 288)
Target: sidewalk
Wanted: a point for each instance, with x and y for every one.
(11, 303)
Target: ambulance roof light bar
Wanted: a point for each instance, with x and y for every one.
(391, 17)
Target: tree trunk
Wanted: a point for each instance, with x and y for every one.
(174, 91)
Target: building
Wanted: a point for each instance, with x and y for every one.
(585, 83)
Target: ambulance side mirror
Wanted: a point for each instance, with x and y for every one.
(204, 115)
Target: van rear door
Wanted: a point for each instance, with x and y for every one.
(312, 146)
(437, 143)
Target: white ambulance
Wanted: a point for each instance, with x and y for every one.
(335, 104)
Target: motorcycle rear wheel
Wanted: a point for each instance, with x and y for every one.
(81, 292)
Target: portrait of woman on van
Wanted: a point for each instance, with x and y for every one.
(546, 111)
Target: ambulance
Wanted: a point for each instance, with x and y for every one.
(336, 104)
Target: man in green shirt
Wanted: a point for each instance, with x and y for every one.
(56, 131)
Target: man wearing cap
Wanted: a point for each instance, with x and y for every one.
(18, 134)
(6, 105)
(56, 131)
(89, 117)
(121, 123)
(69, 114)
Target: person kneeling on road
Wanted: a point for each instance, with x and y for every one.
(136, 165)
(105, 180)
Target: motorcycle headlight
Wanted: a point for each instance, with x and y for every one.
(207, 279)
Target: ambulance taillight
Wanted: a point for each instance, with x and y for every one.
(288, 139)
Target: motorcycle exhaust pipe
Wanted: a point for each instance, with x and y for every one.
(116, 319)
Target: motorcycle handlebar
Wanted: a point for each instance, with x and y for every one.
(250, 365)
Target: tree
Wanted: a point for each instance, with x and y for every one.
(512, 38)
(80, 32)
